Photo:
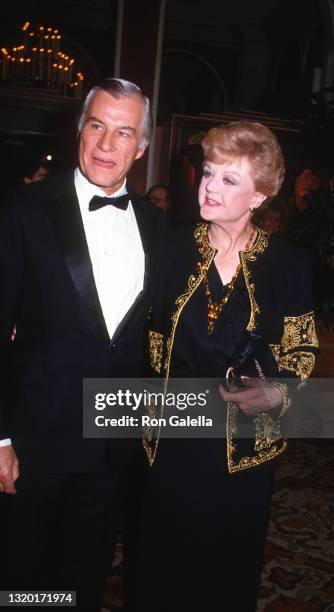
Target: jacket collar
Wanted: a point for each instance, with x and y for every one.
(206, 250)
(148, 237)
(65, 217)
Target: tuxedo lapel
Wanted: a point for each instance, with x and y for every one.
(65, 218)
(146, 231)
(147, 235)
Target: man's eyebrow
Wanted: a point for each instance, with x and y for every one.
(126, 127)
(119, 127)
(93, 118)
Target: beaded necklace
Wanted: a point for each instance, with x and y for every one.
(215, 308)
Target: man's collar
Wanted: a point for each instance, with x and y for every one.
(89, 189)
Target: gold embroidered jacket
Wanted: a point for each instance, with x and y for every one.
(278, 278)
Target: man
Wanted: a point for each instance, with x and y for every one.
(158, 195)
(36, 172)
(76, 276)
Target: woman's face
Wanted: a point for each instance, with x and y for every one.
(227, 191)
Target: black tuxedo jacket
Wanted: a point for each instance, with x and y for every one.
(48, 291)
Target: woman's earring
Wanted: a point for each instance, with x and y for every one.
(252, 208)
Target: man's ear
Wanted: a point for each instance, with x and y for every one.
(141, 152)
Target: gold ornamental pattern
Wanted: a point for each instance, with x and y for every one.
(301, 363)
(267, 431)
(299, 332)
(262, 437)
(156, 345)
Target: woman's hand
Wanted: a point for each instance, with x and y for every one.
(259, 396)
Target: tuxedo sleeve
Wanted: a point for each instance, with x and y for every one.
(11, 258)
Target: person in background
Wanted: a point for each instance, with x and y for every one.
(36, 172)
(306, 182)
(159, 196)
(222, 283)
(273, 217)
(307, 223)
(77, 269)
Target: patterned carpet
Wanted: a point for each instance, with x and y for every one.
(298, 573)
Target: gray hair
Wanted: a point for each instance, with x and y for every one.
(119, 88)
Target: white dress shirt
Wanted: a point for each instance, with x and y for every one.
(116, 252)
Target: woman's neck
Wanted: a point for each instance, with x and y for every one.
(229, 240)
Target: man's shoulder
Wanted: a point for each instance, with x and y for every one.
(149, 217)
(39, 189)
(37, 194)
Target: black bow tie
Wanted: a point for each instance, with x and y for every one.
(121, 202)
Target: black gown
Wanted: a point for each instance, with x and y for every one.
(203, 529)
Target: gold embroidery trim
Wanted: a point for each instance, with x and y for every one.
(254, 307)
(276, 350)
(245, 462)
(148, 435)
(208, 253)
(300, 363)
(267, 431)
(261, 457)
(286, 400)
(299, 331)
(258, 247)
(205, 248)
(156, 345)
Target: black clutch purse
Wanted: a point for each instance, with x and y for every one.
(254, 358)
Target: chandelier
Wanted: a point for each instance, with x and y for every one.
(39, 60)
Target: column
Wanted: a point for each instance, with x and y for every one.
(138, 58)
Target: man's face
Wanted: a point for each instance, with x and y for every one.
(158, 197)
(40, 174)
(110, 139)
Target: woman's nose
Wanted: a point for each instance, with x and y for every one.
(213, 185)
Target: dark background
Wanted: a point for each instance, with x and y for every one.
(258, 55)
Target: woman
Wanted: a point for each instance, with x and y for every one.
(207, 501)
